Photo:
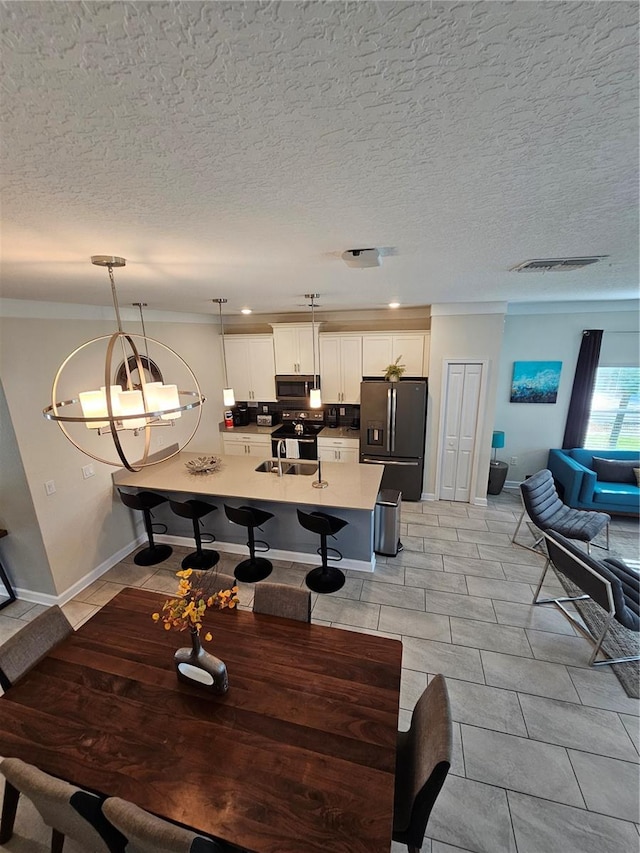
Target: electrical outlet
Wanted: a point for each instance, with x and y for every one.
(265, 410)
(343, 411)
(87, 471)
(50, 487)
(513, 460)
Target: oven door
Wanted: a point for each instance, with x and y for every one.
(307, 446)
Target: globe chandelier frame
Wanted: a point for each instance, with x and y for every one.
(149, 405)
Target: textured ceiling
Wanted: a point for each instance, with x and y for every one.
(236, 149)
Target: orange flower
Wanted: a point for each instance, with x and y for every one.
(193, 597)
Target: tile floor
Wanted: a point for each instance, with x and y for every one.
(545, 748)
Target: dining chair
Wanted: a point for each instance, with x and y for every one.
(146, 833)
(68, 810)
(280, 599)
(423, 758)
(30, 644)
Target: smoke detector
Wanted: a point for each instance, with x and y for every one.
(362, 258)
(556, 264)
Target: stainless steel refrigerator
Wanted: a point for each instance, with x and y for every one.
(393, 419)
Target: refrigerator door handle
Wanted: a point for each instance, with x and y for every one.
(388, 437)
(394, 404)
(370, 461)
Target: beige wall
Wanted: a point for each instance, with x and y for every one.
(22, 552)
(82, 525)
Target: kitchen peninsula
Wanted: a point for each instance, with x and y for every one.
(351, 494)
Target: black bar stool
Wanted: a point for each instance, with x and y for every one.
(324, 578)
(255, 568)
(195, 510)
(145, 502)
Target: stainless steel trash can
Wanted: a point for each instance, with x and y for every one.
(386, 527)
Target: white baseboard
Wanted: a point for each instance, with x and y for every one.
(274, 553)
(69, 593)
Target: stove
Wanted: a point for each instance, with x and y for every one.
(303, 425)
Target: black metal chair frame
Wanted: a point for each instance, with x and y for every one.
(325, 578)
(153, 553)
(195, 510)
(254, 568)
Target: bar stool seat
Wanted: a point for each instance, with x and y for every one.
(324, 578)
(144, 502)
(253, 569)
(195, 510)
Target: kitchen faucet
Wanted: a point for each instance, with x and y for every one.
(280, 448)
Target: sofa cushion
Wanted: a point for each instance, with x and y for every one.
(636, 471)
(615, 470)
(620, 495)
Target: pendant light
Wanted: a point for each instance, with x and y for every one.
(134, 408)
(228, 397)
(315, 400)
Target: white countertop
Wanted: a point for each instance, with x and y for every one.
(351, 486)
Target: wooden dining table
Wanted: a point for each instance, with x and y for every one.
(298, 755)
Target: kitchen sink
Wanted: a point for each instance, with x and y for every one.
(269, 466)
(305, 469)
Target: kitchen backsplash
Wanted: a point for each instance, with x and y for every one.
(351, 412)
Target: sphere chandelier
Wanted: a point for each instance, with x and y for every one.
(129, 408)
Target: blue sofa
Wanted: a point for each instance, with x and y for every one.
(573, 471)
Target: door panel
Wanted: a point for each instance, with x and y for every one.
(462, 401)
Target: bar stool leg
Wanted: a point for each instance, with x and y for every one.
(153, 554)
(255, 568)
(325, 578)
(200, 559)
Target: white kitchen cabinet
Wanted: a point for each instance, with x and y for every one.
(338, 449)
(380, 350)
(340, 368)
(243, 444)
(293, 346)
(251, 367)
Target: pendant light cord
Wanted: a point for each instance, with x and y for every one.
(224, 354)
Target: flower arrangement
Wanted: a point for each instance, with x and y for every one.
(395, 370)
(194, 596)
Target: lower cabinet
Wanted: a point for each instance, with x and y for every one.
(242, 444)
(338, 449)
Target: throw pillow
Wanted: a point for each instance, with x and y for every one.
(615, 470)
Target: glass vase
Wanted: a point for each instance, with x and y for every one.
(197, 666)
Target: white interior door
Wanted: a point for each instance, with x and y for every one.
(462, 402)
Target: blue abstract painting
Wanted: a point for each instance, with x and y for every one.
(535, 381)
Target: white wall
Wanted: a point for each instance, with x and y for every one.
(531, 429)
(83, 525)
(456, 333)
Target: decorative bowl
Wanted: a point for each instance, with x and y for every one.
(203, 464)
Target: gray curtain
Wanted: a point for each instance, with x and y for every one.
(583, 384)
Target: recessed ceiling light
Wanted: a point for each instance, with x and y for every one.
(394, 305)
(245, 311)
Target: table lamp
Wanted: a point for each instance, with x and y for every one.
(497, 441)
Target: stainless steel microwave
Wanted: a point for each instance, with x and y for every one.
(294, 388)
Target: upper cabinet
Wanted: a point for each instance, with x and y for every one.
(251, 367)
(340, 368)
(380, 350)
(293, 345)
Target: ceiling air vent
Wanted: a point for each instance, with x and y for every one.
(556, 264)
